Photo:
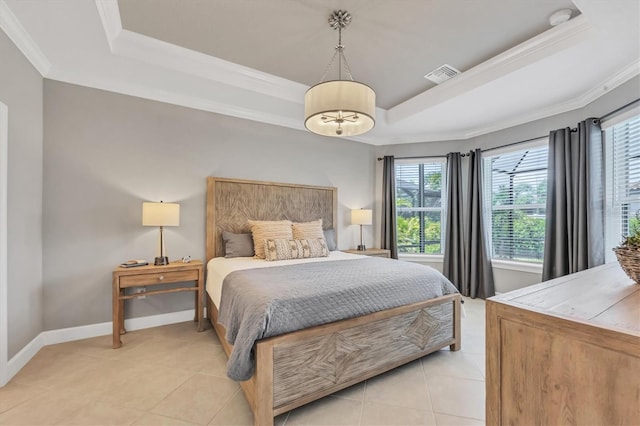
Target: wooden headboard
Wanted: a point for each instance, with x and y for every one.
(231, 203)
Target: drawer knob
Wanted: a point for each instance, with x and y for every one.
(161, 277)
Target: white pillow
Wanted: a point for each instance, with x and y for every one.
(307, 230)
(281, 249)
(262, 230)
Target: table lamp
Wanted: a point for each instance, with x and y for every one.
(161, 214)
(361, 217)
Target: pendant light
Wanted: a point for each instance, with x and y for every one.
(339, 107)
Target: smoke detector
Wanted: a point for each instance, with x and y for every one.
(560, 17)
(442, 74)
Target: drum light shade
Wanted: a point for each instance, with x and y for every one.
(160, 214)
(361, 217)
(340, 108)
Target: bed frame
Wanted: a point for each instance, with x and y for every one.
(296, 368)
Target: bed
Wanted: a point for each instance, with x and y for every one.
(298, 367)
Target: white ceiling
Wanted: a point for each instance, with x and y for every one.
(254, 59)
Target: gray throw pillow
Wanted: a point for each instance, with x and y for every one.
(237, 245)
(330, 237)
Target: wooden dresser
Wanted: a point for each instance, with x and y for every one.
(565, 352)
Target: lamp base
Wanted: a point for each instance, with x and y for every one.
(161, 261)
(361, 247)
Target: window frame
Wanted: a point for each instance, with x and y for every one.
(615, 226)
(421, 210)
(510, 262)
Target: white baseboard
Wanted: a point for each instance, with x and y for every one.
(62, 335)
(21, 359)
(52, 337)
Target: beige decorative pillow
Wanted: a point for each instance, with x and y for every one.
(268, 230)
(295, 249)
(307, 230)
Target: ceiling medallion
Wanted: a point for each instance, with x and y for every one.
(339, 107)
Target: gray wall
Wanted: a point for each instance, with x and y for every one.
(508, 279)
(105, 153)
(21, 91)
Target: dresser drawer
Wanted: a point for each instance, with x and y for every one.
(157, 278)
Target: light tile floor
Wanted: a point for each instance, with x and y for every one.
(173, 375)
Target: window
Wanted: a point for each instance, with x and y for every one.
(515, 199)
(420, 195)
(622, 153)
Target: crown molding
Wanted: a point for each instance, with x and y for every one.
(110, 17)
(626, 74)
(174, 97)
(21, 38)
(630, 71)
(156, 52)
(541, 46)
(136, 46)
(226, 88)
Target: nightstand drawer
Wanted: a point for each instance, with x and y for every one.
(157, 278)
(372, 252)
(379, 255)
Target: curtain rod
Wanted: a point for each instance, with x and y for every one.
(482, 150)
(517, 143)
(416, 157)
(463, 154)
(607, 115)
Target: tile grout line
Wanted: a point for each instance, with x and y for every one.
(364, 392)
(228, 402)
(426, 385)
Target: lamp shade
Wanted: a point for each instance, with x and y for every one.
(361, 217)
(339, 108)
(160, 214)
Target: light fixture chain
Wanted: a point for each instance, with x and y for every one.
(346, 65)
(341, 55)
(326, 70)
(338, 20)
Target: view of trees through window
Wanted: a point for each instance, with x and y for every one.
(419, 203)
(516, 190)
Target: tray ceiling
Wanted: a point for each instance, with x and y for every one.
(255, 59)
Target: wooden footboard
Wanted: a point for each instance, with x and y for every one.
(299, 367)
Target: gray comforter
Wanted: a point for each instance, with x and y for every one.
(265, 302)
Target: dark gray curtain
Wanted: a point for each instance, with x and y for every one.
(454, 247)
(389, 239)
(574, 232)
(478, 273)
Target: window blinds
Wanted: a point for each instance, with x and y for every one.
(420, 192)
(515, 199)
(622, 150)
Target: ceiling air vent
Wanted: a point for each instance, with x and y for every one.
(442, 74)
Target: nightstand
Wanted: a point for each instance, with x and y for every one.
(149, 276)
(375, 252)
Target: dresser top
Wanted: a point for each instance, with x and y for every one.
(604, 296)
